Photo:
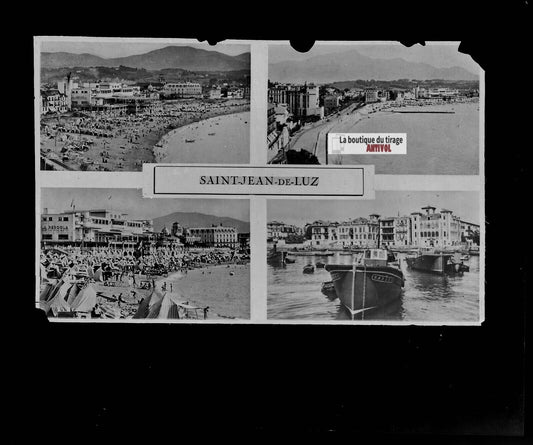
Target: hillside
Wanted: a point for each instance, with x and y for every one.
(183, 57)
(353, 65)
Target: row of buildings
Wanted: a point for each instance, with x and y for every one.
(100, 227)
(419, 229)
(118, 97)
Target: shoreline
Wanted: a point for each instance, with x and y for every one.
(133, 139)
(161, 147)
(183, 284)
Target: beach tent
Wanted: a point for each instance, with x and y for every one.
(45, 292)
(154, 310)
(147, 305)
(169, 309)
(72, 293)
(58, 302)
(85, 300)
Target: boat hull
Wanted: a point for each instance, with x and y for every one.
(374, 286)
(435, 263)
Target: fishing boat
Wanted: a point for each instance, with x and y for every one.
(440, 263)
(309, 269)
(275, 256)
(328, 289)
(371, 282)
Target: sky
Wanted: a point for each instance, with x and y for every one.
(466, 205)
(130, 201)
(124, 49)
(437, 54)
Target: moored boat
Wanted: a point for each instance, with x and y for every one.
(440, 263)
(320, 264)
(309, 269)
(370, 283)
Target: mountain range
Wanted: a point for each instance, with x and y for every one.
(194, 219)
(351, 65)
(183, 57)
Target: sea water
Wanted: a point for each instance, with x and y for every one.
(425, 297)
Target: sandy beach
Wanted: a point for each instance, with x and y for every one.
(224, 288)
(218, 139)
(97, 142)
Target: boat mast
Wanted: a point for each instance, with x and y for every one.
(353, 288)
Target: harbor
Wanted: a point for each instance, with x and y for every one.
(424, 296)
(399, 263)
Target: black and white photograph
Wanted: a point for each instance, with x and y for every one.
(430, 93)
(110, 254)
(112, 105)
(407, 256)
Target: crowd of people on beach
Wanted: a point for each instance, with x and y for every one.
(104, 137)
(107, 264)
(106, 282)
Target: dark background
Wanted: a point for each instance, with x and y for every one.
(455, 383)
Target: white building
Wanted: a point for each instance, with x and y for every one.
(183, 89)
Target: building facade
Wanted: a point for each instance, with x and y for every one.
(101, 227)
(53, 101)
(277, 230)
(216, 236)
(359, 232)
(431, 229)
(183, 89)
(301, 101)
(324, 233)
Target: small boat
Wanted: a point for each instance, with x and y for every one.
(309, 269)
(211, 134)
(320, 264)
(465, 257)
(290, 260)
(328, 289)
(189, 140)
(371, 282)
